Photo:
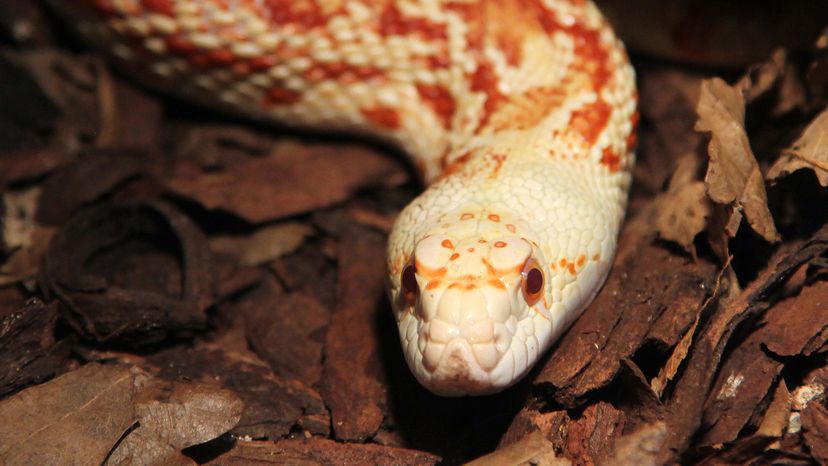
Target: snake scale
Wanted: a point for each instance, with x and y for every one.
(519, 115)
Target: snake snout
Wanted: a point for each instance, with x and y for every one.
(462, 344)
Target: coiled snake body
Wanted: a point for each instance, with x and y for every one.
(520, 116)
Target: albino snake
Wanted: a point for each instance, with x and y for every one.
(520, 116)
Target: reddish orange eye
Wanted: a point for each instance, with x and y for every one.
(532, 282)
(410, 287)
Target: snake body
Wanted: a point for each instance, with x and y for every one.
(519, 115)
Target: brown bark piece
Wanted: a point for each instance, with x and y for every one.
(134, 272)
(131, 116)
(27, 351)
(743, 387)
(173, 416)
(351, 385)
(790, 328)
(272, 406)
(319, 452)
(310, 270)
(74, 419)
(684, 407)
(92, 177)
(24, 113)
(798, 324)
(293, 178)
(651, 286)
(590, 437)
(71, 82)
(287, 330)
(733, 176)
(815, 430)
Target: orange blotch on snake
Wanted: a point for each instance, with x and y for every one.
(498, 160)
(581, 260)
(164, 7)
(280, 96)
(470, 249)
(432, 284)
(593, 55)
(466, 216)
(571, 268)
(393, 23)
(263, 62)
(611, 160)
(485, 80)
(481, 241)
(455, 166)
(427, 273)
(495, 283)
(242, 69)
(590, 120)
(221, 57)
(454, 256)
(303, 13)
(596, 257)
(494, 217)
(447, 244)
(340, 71)
(440, 100)
(511, 228)
(385, 117)
(500, 244)
(179, 45)
(563, 263)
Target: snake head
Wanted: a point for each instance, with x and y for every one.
(472, 312)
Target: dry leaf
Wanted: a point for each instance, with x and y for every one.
(264, 244)
(273, 407)
(733, 176)
(809, 151)
(762, 77)
(776, 416)
(639, 448)
(74, 419)
(533, 449)
(173, 416)
(681, 212)
(318, 452)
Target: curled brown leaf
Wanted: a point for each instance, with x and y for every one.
(809, 151)
(733, 176)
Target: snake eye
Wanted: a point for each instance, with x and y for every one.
(532, 282)
(410, 288)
